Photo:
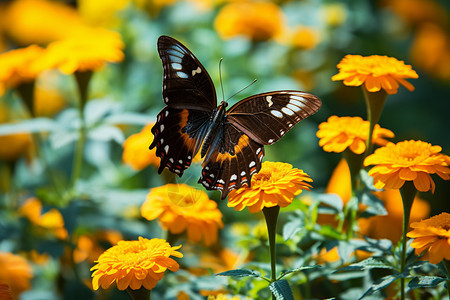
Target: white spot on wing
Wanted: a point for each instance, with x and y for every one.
(180, 161)
(297, 101)
(257, 151)
(166, 100)
(211, 175)
(287, 111)
(176, 66)
(269, 100)
(167, 112)
(243, 173)
(161, 127)
(171, 160)
(293, 107)
(276, 113)
(189, 157)
(196, 71)
(252, 164)
(270, 141)
(166, 149)
(221, 181)
(182, 74)
(233, 177)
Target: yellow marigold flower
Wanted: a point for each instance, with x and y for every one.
(12, 147)
(16, 272)
(16, 67)
(259, 21)
(432, 235)
(390, 225)
(276, 184)
(333, 14)
(40, 21)
(340, 133)
(90, 246)
(304, 37)
(135, 149)
(135, 264)
(48, 101)
(87, 50)
(102, 13)
(51, 220)
(375, 72)
(408, 161)
(179, 207)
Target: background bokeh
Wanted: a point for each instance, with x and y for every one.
(282, 44)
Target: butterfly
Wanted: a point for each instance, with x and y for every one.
(230, 141)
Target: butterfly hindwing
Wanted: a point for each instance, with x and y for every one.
(186, 84)
(231, 161)
(178, 134)
(267, 117)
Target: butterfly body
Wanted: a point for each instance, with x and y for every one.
(232, 140)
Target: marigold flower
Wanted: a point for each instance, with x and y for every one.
(135, 149)
(259, 21)
(135, 264)
(51, 220)
(90, 246)
(408, 161)
(276, 184)
(432, 235)
(340, 133)
(16, 66)
(302, 37)
(48, 100)
(102, 13)
(87, 50)
(14, 146)
(16, 272)
(53, 21)
(180, 207)
(375, 72)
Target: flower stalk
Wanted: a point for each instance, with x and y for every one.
(82, 79)
(271, 216)
(139, 294)
(408, 192)
(374, 105)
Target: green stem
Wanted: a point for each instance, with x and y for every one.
(271, 216)
(374, 104)
(139, 294)
(408, 192)
(447, 265)
(82, 79)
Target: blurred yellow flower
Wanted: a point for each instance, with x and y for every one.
(179, 208)
(135, 264)
(90, 246)
(408, 161)
(375, 72)
(51, 220)
(16, 66)
(5, 292)
(14, 146)
(390, 226)
(87, 50)
(40, 21)
(135, 149)
(48, 101)
(433, 236)
(223, 297)
(301, 37)
(101, 13)
(430, 50)
(340, 181)
(16, 272)
(340, 133)
(258, 21)
(333, 14)
(152, 7)
(276, 184)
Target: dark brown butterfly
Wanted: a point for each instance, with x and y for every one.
(232, 139)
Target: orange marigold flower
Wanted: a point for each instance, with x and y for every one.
(16, 66)
(276, 184)
(340, 133)
(51, 220)
(135, 149)
(408, 161)
(259, 21)
(180, 207)
(135, 264)
(87, 50)
(432, 235)
(375, 72)
(16, 272)
(40, 21)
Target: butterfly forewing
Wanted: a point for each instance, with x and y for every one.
(178, 134)
(232, 162)
(267, 117)
(186, 84)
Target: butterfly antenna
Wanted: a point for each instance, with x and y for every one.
(242, 89)
(220, 77)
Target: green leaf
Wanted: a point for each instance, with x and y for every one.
(332, 200)
(424, 281)
(380, 284)
(368, 264)
(300, 269)
(129, 118)
(375, 207)
(281, 290)
(291, 228)
(240, 273)
(32, 125)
